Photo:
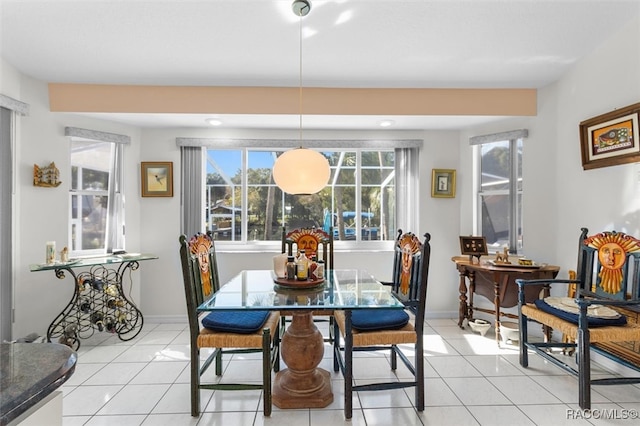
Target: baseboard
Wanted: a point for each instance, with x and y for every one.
(166, 319)
(441, 315)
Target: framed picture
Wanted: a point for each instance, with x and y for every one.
(443, 183)
(157, 178)
(473, 246)
(610, 139)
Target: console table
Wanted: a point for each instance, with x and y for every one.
(497, 283)
(99, 301)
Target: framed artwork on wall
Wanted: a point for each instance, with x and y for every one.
(473, 246)
(443, 183)
(157, 178)
(610, 139)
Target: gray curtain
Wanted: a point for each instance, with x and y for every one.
(191, 190)
(116, 237)
(407, 180)
(6, 259)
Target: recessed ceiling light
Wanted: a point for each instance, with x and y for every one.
(386, 123)
(213, 121)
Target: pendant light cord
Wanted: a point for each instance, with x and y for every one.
(300, 76)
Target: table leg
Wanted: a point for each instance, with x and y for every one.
(463, 309)
(302, 384)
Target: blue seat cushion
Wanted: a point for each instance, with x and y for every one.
(573, 318)
(379, 319)
(248, 321)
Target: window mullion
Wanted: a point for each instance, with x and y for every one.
(244, 223)
(358, 194)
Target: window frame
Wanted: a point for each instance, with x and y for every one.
(115, 214)
(515, 190)
(244, 185)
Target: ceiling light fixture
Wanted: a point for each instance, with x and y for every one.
(214, 121)
(301, 171)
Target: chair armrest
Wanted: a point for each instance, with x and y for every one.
(548, 281)
(521, 283)
(602, 301)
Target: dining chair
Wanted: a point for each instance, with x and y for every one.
(386, 329)
(606, 299)
(226, 332)
(314, 241)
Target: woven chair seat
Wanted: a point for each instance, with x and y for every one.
(619, 333)
(406, 334)
(216, 339)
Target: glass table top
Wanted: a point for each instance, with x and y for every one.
(92, 261)
(342, 289)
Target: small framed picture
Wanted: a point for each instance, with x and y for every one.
(473, 246)
(610, 139)
(443, 183)
(157, 178)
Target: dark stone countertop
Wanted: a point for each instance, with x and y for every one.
(29, 372)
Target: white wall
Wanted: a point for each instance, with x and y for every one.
(41, 213)
(560, 196)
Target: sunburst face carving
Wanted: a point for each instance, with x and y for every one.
(409, 245)
(307, 239)
(612, 251)
(200, 246)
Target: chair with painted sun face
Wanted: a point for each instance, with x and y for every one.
(607, 297)
(388, 329)
(226, 332)
(314, 241)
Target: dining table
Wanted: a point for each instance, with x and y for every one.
(302, 384)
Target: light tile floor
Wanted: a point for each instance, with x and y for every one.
(470, 380)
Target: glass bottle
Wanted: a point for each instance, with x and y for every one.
(85, 305)
(313, 265)
(96, 318)
(320, 270)
(291, 268)
(110, 324)
(302, 266)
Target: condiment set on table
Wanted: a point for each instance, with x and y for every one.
(298, 271)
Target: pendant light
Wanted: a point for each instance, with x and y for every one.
(301, 171)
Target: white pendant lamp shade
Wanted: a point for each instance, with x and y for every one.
(301, 171)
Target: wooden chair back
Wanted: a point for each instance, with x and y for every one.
(200, 273)
(609, 266)
(411, 271)
(314, 241)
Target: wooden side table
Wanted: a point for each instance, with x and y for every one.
(496, 283)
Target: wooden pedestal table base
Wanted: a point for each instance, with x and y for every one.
(302, 384)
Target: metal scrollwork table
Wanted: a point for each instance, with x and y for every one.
(99, 302)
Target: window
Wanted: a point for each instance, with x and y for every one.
(96, 204)
(242, 203)
(499, 211)
(227, 188)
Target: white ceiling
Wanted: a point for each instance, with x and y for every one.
(347, 43)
